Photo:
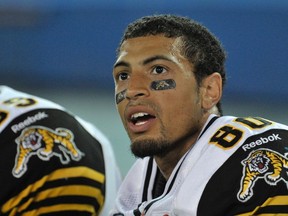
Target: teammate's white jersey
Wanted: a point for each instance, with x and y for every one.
(238, 166)
(52, 162)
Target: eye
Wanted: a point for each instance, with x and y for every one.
(159, 70)
(123, 76)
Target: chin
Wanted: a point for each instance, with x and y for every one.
(150, 147)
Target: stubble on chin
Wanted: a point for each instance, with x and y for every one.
(146, 148)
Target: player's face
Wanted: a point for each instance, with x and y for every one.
(157, 95)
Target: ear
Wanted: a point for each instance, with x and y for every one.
(211, 90)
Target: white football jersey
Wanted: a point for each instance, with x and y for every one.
(238, 166)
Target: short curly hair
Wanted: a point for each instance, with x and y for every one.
(203, 50)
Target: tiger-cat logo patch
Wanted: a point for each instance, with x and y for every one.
(262, 164)
(45, 143)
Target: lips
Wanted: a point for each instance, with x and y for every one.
(140, 119)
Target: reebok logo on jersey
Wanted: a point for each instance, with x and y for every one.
(263, 164)
(28, 121)
(261, 141)
(43, 141)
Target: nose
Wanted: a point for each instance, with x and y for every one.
(138, 86)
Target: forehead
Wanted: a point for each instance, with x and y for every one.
(149, 45)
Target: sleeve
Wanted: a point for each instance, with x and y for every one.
(50, 164)
(112, 172)
(253, 180)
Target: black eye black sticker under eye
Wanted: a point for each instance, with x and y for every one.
(163, 84)
(120, 96)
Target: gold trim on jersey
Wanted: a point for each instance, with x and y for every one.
(272, 201)
(3, 116)
(61, 207)
(65, 191)
(72, 172)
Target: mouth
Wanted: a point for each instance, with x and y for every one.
(140, 121)
(141, 118)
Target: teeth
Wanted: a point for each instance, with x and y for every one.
(137, 115)
(140, 123)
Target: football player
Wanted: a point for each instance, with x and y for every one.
(51, 161)
(169, 75)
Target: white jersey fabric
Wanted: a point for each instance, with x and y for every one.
(238, 166)
(92, 177)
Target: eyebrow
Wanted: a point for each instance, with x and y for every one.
(145, 62)
(121, 63)
(155, 58)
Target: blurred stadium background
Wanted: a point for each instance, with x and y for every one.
(64, 51)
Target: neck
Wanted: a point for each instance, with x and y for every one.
(166, 163)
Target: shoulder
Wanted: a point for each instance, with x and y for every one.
(15, 103)
(230, 130)
(249, 122)
(14, 98)
(40, 134)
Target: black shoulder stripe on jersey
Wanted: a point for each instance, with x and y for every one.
(208, 125)
(90, 205)
(52, 185)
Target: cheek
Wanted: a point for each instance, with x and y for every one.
(184, 100)
(121, 109)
